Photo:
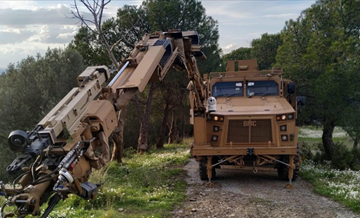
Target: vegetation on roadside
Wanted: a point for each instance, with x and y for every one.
(336, 177)
(146, 185)
(340, 185)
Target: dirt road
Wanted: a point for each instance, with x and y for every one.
(244, 194)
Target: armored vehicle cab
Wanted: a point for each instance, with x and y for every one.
(250, 121)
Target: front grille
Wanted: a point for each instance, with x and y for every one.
(249, 131)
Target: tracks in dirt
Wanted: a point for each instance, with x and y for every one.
(243, 194)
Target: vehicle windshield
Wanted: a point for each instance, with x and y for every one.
(261, 88)
(228, 89)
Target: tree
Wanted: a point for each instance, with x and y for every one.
(319, 53)
(30, 89)
(241, 53)
(184, 15)
(96, 9)
(265, 49)
(88, 45)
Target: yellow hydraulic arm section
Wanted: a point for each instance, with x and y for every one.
(151, 59)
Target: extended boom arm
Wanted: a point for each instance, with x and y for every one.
(62, 144)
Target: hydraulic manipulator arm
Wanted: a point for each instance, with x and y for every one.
(61, 145)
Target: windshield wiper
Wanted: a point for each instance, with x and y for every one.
(228, 95)
(262, 94)
(266, 94)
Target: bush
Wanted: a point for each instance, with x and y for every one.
(356, 155)
(310, 151)
(342, 157)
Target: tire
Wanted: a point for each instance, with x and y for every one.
(203, 170)
(283, 170)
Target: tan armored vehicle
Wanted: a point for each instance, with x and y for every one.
(250, 122)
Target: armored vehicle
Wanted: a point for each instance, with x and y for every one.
(250, 122)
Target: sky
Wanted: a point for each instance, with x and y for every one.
(31, 27)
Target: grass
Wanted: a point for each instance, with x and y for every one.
(311, 134)
(147, 185)
(342, 186)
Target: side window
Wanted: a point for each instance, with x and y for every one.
(228, 89)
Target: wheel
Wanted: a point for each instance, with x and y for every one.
(283, 170)
(203, 170)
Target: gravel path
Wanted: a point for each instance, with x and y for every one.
(243, 194)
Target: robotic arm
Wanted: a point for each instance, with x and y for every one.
(61, 146)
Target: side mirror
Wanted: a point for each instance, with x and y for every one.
(300, 100)
(291, 88)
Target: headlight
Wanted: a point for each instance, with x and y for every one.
(284, 137)
(283, 117)
(283, 128)
(216, 128)
(217, 118)
(214, 138)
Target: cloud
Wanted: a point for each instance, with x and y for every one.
(13, 35)
(242, 21)
(230, 46)
(39, 16)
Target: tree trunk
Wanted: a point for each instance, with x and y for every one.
(118, 137)
(174, 132)
(328, 128)
(160, 143)
(144, 121)
(355, 145)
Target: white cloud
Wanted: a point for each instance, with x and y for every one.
(242, 21)
(14, 35)
(230, 46)
(30, 27)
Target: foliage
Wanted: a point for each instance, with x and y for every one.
(337, 178)
(30, 89)
(89, 46)
(265, 50)
(237, 54)
(319, 53)
(147, 185)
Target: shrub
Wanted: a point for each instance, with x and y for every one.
(342, 157)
